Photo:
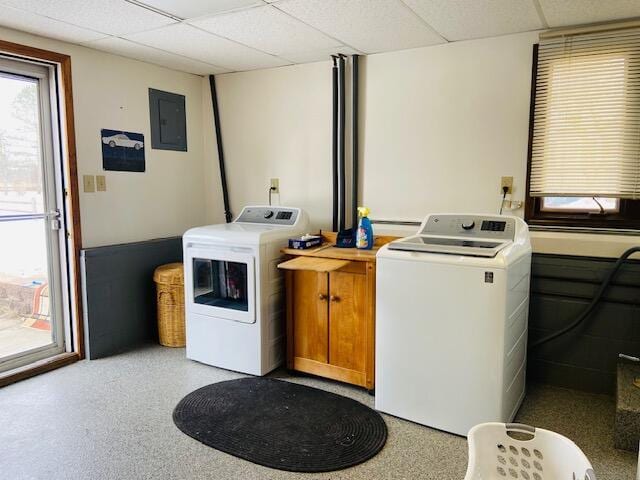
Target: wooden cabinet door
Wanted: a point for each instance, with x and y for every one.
(310, 316)
(348, 326)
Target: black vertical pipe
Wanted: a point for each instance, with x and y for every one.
(354, 141)
(341, 132)
(334, 139)
(216, 124)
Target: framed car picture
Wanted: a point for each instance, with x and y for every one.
(122, 151)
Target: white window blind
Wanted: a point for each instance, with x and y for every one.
(586, 133)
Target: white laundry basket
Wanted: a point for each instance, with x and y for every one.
(499, 451)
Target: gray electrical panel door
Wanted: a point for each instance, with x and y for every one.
(168, 121)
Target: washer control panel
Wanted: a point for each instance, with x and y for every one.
(452, 225)
(268, 215)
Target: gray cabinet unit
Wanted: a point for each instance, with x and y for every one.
(168, 121)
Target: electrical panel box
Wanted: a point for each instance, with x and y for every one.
(168, 121)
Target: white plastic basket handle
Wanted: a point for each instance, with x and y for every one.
(520, 427)
(588, 475)
(529, 430)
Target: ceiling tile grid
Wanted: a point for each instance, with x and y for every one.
(319, 55)
(367, 25)
(267, 29)
(113, 17)
(186, 40)
(560, 13)
(144, 53)
(467, 19)
(198, 8)
(39, 25)
(234, 35)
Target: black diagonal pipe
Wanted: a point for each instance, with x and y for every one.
(334, 140)
(354, 141)
(341, 135)
(216, 123)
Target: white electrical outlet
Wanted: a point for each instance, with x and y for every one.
(275, 185)
(508, 183)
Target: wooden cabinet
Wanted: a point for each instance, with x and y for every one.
(330, 318)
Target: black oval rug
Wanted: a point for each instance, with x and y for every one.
(282, 425)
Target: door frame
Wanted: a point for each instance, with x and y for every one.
(62, 66)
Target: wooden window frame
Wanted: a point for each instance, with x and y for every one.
(627, 218)
(63, 77)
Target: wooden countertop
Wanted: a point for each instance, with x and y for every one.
(328, 250)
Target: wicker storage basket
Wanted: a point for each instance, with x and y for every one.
(170, 297)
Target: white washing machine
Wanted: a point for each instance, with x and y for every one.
(452, 306)
(234, 292)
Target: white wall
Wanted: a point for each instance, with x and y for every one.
(439, 126)
(112, 92)
(277, 123)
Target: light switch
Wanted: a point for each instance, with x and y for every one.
(101, 183)
(89, 183)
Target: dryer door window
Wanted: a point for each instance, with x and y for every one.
(220, 283)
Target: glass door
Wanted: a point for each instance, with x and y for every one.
(33, 308)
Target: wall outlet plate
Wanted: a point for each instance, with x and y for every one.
(506, 182)
(89, 183)
(101, 183)
(275, 185)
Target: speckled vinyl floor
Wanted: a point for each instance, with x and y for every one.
(111, 419)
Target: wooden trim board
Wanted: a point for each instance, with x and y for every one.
(330, 371)
(36, 368)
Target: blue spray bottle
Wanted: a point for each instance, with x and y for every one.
(364, 235)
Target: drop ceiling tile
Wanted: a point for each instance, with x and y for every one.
(183, 39)
(319, 55)
(367, 25)
(267, 29)
(198, 8)
(136, 51)
(465, 19)
(575, 12)
(114, 17)
(47, 27)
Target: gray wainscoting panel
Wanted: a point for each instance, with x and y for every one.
(119, 293)
(586, 358)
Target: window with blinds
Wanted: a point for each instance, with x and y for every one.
(585, 134)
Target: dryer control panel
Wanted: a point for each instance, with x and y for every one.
(473, 226)
(268, 215)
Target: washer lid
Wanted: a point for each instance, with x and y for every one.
(454, 246)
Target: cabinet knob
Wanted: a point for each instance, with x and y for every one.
(322, 296)
(333, 298)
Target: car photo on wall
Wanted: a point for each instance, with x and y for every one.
(122, 140)
(122, 151)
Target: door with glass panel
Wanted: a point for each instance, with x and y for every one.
(33, 273)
